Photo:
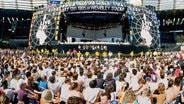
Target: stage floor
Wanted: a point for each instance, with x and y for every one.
(96, 46)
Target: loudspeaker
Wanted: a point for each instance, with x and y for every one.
(73, 39)
(14, 26)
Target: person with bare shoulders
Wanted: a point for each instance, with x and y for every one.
(170, 91)
(176, 87)
(159, 94)
(121, 93)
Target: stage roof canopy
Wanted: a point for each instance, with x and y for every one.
(32, 4)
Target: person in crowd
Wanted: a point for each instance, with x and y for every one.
(40, 70)
(163, 78)
(121, 93)
(177, 71)
(176, 87)
(110, 89)
(4, 99)
(159, 95)
(92, 93)
(61, 78)
(73, 90)
(129, 98)
(14, 80)
(53, 85)
(33, 86)
(81, 76)
(75, 100)
(8, 92)
(65, 91)
(145, 97)
(110, 81)
(100, 81)
(152, 83)
(127, 74)
(14, 85)
(170, 91)
(47, 97)
(134, 80)
(105, 98)
(88, 78)
(26, 96)
(142, 85)
(43, 84)
(80, 83)
(120, 82)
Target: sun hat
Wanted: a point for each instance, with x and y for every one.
(47, 96)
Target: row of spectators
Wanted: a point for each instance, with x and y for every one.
(37, 79)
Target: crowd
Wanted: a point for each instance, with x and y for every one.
(35, 79)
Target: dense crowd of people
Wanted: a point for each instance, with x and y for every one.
(35, 79)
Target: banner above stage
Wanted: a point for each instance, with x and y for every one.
(85, 6)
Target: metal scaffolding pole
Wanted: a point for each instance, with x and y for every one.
(158, 6)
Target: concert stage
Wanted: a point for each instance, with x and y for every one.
(94, 26)
(125, 48)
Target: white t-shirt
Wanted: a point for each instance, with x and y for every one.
(9, 93)
(13, 83)
(20, 81)
(134, 83)
(74, 93)
(164, 81)
(153, 86)
(81, 78)
(61, 81)
(64, 92)
(53, 87)
(90, 94)
(86, 81)
(144, 100)
(119, 85)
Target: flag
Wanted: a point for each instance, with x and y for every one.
(97, 53)
(87, 53)
(132, 53)
(142, 53)
(119, 54)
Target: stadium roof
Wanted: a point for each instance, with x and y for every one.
(32, 4)
(22, 4)
(163, 4)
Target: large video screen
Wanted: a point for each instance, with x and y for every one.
(144, 26)
(45, 26)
